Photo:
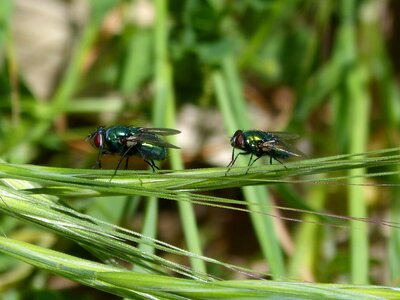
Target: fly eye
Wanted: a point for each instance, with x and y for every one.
(98, 140)
(237, 140)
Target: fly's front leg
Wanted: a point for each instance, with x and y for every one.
(98, 160)
(234, 160)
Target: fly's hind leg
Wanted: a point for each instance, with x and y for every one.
(251, 162)
(125, 155)
(151, 163)
(234, 158)
(277, 161)
(126, 163)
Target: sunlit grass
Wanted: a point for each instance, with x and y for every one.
(24, 199)
(332, 64)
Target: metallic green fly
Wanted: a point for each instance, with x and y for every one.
(260, 143)
(127, 141)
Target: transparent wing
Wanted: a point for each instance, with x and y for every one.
(280, 145)
(150, 138)
(285, 135)
(159, 131)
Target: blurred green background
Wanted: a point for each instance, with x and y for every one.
(326, 70)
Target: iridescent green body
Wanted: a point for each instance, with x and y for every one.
(260, 143)
(127, 141)
(253, 139)
(117, 142)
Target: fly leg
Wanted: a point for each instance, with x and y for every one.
(119, 163)
(233, 160)
(125, 155)
(270, 161)
(98, 160)
(126, 163)
(151, 163)
(252, 162)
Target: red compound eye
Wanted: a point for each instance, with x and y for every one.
(98, 140)
(237, 140)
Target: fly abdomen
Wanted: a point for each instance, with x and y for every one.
(152, 152)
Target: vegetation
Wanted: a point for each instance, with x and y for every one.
(326, 226)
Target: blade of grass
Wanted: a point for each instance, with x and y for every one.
(134, 71)
(234, 87)
(186, 209)
(109, 240)
(79, 270)
(236, 289)
(31, 212)
(277, 12)
(264, 227)
(105, 240)
(137, 60)
(147, 184)
(359, 106)
(164, 115)
(355, 109)
(383, 71)
(5, 17)
(303, 259)
(149, 228)
(144, 286)
(74, 71)
(162, 85)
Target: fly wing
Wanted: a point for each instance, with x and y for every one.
(150, 138)
(159, 131)
(285, 135)
(279, 145)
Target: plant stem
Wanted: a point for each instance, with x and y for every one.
(257, 197)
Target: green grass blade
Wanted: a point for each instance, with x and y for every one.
(304, 257)
(136, 68)
(105, 240)
(186, 210)
(5, 17)
(143, 286)
(357, 204)
(164, 116)
(150, 224)
(254, 195)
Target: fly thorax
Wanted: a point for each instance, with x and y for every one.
(267, 146)
(130, 142)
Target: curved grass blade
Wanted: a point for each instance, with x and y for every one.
(124, 283)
